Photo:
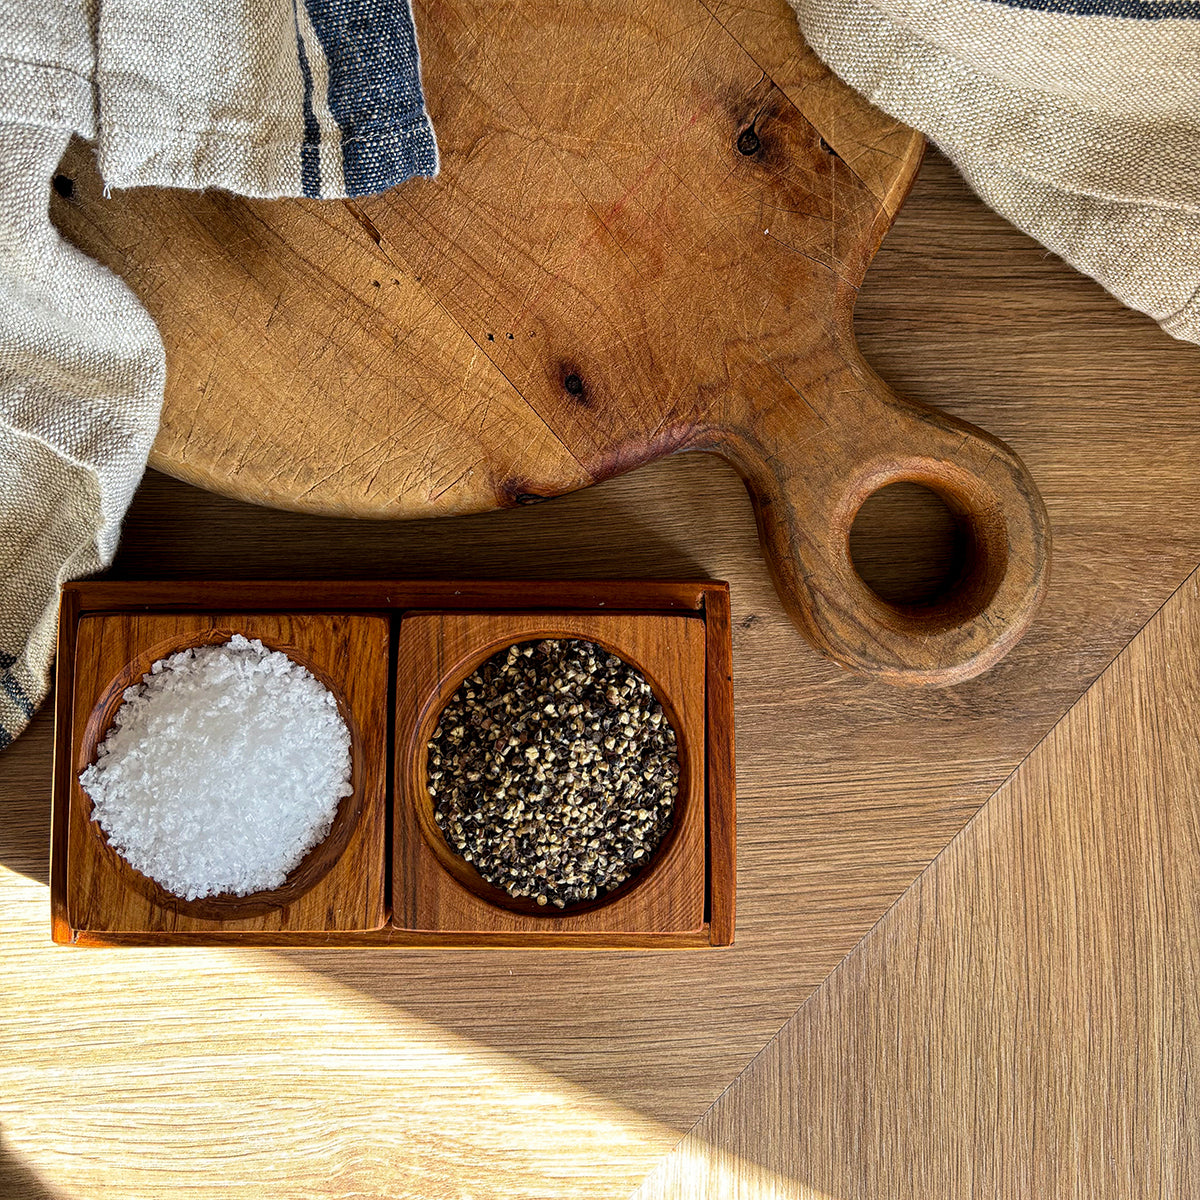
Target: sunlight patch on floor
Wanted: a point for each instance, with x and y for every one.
(697, 1171)
(116, 1064)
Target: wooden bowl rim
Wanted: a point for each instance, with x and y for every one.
(430, 709)
(224, 906)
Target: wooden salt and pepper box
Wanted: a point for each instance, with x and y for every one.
(392, 654)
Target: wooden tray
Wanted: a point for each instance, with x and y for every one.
(647, 237)
(426, 636)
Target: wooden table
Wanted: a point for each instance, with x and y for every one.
(1023, 1019)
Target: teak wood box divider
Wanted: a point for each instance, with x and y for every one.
(380, 878)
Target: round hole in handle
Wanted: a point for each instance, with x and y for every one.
(909, 546)
(928, 543)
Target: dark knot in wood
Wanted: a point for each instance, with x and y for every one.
(748, 142)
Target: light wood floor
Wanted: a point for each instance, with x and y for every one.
(1021, 1023)
(1025, 1020)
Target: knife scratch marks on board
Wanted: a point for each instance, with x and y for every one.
(464, 385)
(463, 474)
(365, 221)
(341, 468)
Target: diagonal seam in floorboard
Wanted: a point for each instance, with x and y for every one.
(1188, 581)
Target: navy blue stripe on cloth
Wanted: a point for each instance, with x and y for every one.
(375, 91)
(310, 152)
(6, 661)
(16, 692)
(1138, 10)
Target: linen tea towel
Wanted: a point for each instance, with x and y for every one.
(262, 97)
(1078, 120)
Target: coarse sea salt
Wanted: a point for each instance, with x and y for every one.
(223, 768)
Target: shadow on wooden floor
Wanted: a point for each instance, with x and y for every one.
(17, 1181)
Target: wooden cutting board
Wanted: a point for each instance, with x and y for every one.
(648, 233)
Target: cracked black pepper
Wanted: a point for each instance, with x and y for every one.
(554, 771)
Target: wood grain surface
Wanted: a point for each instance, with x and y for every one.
(656, 253)
(1025, 1020)
(433, 890)
(720, 738)
(340, 884)
(431, 1074)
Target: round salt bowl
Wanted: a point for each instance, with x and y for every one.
(225, 765)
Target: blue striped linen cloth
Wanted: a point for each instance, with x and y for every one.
(1078, 120)
(378, 133)
(264, 97)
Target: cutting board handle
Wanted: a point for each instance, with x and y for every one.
(808, 477)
